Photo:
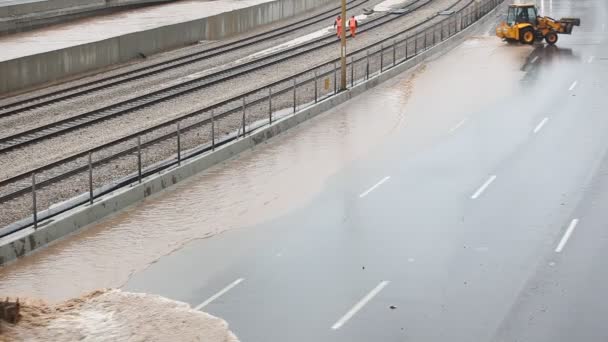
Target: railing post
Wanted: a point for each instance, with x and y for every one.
(270, 105)
(352, 72)
(316, 87)
(294, 95)
(139, 159)
(244, 107)
(335, 78)
(90, 179)
(179, 146)
(212, 130)
(34, 209)
(381, 58)
(367, 64)
(394, 52)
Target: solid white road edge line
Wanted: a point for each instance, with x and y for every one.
(374, 187)
(566, 236)
(573, 85)
(359, 305)
(540, 125)
(219, 294)
(483, 187)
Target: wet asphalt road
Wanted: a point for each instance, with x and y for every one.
(494, 231)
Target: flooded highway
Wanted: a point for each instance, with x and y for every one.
(462, 201)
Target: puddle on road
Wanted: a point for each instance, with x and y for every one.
(273, 178)
(257, 185)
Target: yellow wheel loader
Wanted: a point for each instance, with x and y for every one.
(524, 25)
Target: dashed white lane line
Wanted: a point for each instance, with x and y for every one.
(590, 60)
(573, 85)
(534, 60)
(566, 236)
(540, 125)
(458, 125)
(353, 311)
(375, 186)
(483, 187)
(219, 294)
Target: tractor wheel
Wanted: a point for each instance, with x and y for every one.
(526, 36)
(551, 38)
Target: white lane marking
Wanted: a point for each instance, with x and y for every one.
(573, 85)
(483, 187)
(458, 125)
(590, 60)
(359, 305)
(540, 125)
(219, 294)
(566, 236)
(374, 187)
(534, 60)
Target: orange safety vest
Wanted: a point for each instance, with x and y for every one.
(352, 22)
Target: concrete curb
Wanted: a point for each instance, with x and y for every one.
(25, 241)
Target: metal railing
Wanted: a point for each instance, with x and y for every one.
(82, 178)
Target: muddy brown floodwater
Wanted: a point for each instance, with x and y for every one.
(273, 178)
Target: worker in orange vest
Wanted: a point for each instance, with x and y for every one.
(338, 26)
(352, 25)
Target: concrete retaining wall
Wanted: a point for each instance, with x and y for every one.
(27, 240)
(31, 71)
(28, 16)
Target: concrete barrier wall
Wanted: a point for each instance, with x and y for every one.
(36, 70)
(23, 242)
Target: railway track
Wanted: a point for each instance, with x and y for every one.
(159, 67)
(195, 84)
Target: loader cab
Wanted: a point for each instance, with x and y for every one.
(519, 14)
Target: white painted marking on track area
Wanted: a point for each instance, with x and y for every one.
(483, 187)
(590, 60)
(573, 85)
(534, 60)
(219, 294)
(540, 125)
(566, 236)
(458, 125)
(375, 186)
(353, 311)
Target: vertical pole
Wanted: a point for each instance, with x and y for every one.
(367, 65)
(139, 159)
(416, 44)
(316, 87)
(179, 146)
(441, 32)
(212, 130)
(352, 72)
(335, 78)
(343, 47)
(270, 104)
(381, 58)
(426, 33)
(243, 134)
(434, 34)
(294, 95)
(394, 52)
(34, 209)
(90, 179)
(406, 43)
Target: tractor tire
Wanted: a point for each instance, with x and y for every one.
(527, 36)
(551, 38)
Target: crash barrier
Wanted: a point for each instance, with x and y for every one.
(49, 190)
